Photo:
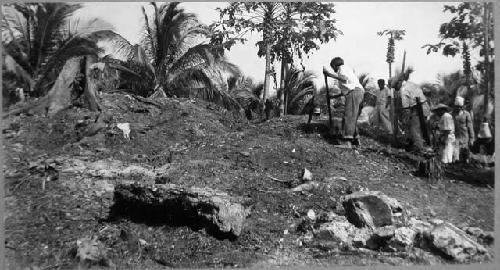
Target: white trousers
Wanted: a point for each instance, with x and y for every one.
(447, 149)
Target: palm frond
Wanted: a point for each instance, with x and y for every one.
(117, 46)
(71, 47)
(11, 65)
(50, 19)
(200, 83)
(199, 55)
(306, 91)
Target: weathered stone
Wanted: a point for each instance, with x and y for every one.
(370, 209)
(380, 237)
(475, 231)
(455, 243)
(403, 239)
(91, 252)
(486, 238)
(338, 230)
(326, 217)
(306, 175)
(311, 215)
(220, 214)
(361, 238)
(420, 226)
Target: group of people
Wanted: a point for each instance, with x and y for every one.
(447, 130)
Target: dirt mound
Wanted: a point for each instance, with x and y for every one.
(197, 144)
(156, 126)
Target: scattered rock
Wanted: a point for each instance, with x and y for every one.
(486, 238)
(404, 238)
(419, 226)
(220, 214)
(370, 209)
(311, 215)
(306, 186)
(326, 217)
(380, 237)
(306, 175)
(338, 230)
(342, 231)
(91, 252)
(454, 243)
(125, 128)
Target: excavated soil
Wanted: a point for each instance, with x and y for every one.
(206, 146)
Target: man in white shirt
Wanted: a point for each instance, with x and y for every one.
(353, 92)
(381, 117)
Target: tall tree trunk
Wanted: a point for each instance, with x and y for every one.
(267, 77)
(403, 65)
(466, 66)
(390, 70)
(486, 49)
(91, 85)
(282, 87)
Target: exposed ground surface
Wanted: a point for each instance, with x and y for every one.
(206, 147)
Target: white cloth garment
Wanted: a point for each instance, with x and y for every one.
(446, 123)
(350, 74)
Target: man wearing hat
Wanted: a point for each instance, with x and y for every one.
(445, 133)
(352, 90)
(464, 131)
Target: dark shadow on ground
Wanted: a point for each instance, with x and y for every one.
(168, 213)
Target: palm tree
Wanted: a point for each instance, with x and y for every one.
(393, 36)
(170, 58)
(298, 85)
(38, 38)
(246, 92)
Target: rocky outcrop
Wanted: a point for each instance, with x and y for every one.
(454, 243)
(220, 214)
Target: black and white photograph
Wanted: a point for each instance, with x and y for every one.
(159, 135)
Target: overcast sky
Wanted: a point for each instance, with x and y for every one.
(360, 46)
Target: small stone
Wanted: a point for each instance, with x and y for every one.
(436, 222)
(311, 215)
(306, 175)
(335, 231)
(475, 231)
(90, 251)
(246, 154)
(403, 239)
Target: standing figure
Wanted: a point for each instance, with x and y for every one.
(353, 92)
(409, 93)
(381, 117)
(464, 132)
(445, 133)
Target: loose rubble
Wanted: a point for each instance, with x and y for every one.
(368, 224)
